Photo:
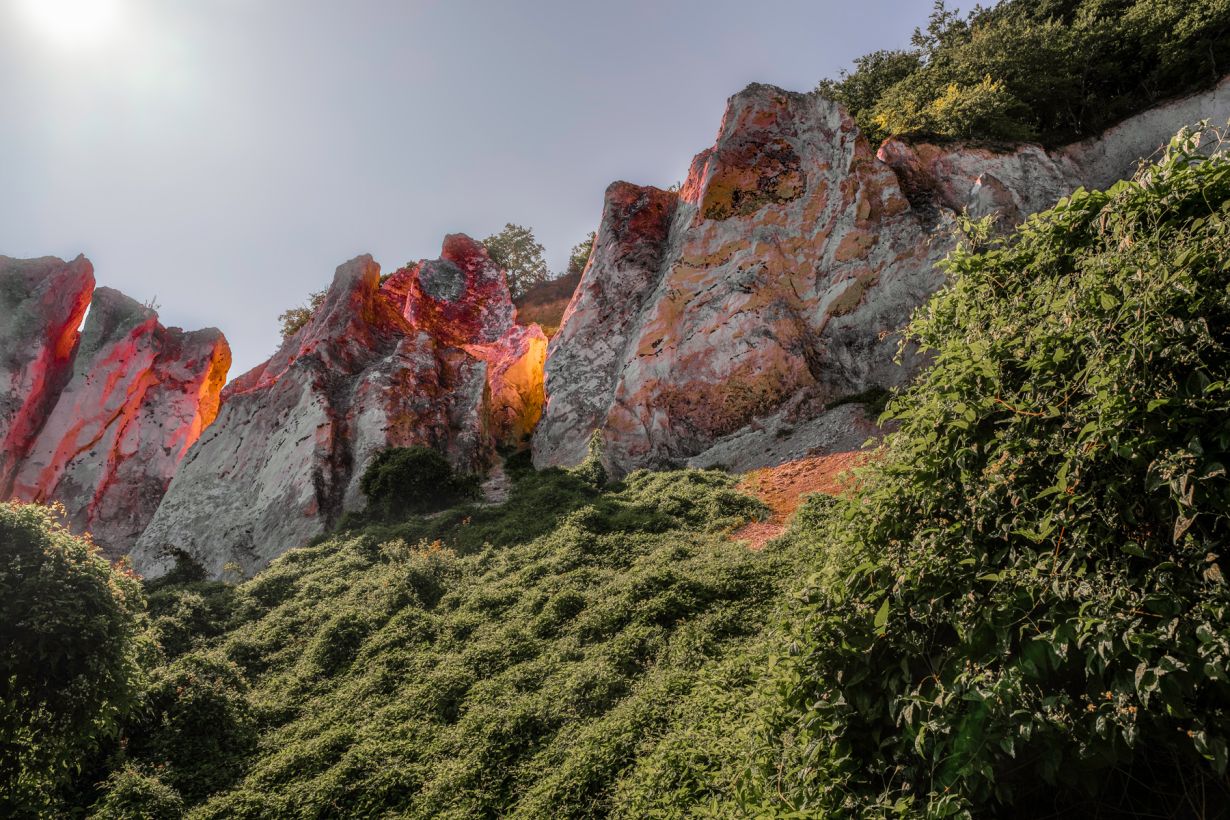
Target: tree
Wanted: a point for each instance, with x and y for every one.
(520, 255)
(69, 667)
(1054, 70)
(579, 257)
(294, 319)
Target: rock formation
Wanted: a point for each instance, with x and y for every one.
(139, 396)
(99, 420)
(462, 300)
(775, 283)
(778, 275)
(42, 302)
(433, 357)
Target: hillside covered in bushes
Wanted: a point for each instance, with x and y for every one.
(1051, 70)
(1021, 610)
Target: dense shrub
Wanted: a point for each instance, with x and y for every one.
(129, 793)
(196, 726)
(1055, 70)
(1025, 607)
(404, 480)
(183, 616)
(69, 655)
(421, 670)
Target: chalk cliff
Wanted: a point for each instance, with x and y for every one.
(775, 283)
(97, 420)
(432, 357)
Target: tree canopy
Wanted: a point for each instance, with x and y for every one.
(1054, 70)
(578, 258)
(69, 668)
(520, 255)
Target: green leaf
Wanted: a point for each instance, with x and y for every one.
(881, 619)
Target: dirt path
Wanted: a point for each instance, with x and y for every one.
(782, 488)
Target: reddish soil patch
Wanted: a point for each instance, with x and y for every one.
(546, 302)
(782, 488)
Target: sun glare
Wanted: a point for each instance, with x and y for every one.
(73, 23)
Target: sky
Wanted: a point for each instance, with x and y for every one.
(223, 157)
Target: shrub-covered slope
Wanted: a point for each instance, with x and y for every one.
(1024, 609)
(507, 661)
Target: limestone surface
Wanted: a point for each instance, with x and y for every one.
(780, 273)
(42, 302)
(432, 357)
(777, 281)
(98, 420)
(138, 397)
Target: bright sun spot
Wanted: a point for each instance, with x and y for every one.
(73, 23)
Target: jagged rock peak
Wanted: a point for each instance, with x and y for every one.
(777, 275)
(139, 396)
(462, 300)
(118, 404)
(777, 282)
(42, 302)
(432, 357)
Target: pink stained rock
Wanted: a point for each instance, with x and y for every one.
(778, 276)
(777, 282)
(42, 302)
(139, 396)
(462, 300)
(283, 461)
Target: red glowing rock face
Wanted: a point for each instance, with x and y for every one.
(777, 281)
(139, 396)
(42, 302)
(462, 300)
(432, 358)
(104, 416)
(459, 299)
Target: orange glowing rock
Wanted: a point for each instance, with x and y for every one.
(139, 396)
(462, 300)
(432, 357)
(99, 420)
(42, 302)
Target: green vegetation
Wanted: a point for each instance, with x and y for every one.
(488, 661)
(578, 257)
(520, 255)
(131, 793)
(1023, 611)
(1054, 70)
(293, 320)
(70, 657)
(401, 481)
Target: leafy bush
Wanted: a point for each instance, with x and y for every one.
(130, 793)
(69, 663)
(196, 726)
(1025, 606)
(1056, 70)
(295, 319)
(182, 616)
(400, 481)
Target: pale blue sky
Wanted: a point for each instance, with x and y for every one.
(226, 155)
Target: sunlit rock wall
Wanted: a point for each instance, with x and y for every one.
(775, 284)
